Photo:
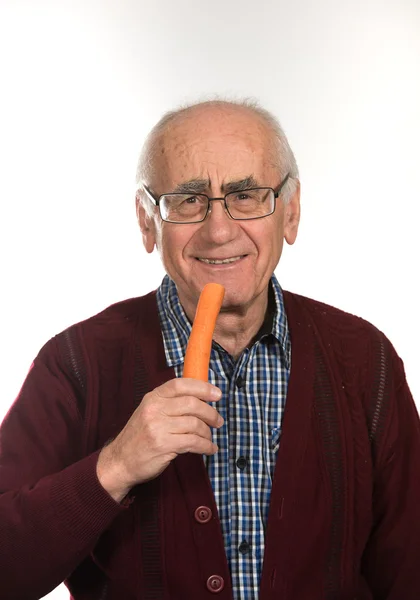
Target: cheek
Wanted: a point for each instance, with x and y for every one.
(266, 236)
(173, 241)
(269, 243)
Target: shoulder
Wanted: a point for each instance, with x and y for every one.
(121, 317)
(125, 310)
(343, 334)
(114, 326)
(326, 317)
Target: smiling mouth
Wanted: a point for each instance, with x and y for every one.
(217, 261)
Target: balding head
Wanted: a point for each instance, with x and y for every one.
(202, 115)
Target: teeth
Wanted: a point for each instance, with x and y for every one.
(219, 262)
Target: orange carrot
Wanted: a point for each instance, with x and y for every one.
(197, 356)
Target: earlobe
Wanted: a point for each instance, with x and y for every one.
(147, 227)
(292, 217)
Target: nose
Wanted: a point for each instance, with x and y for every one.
(218, 228)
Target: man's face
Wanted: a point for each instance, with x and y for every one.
(221, 147)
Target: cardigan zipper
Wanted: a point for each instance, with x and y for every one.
(381, 392)
(73, 357)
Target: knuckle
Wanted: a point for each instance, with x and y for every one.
(186, 442)
(177, 385)
(186, 405)
(192, 423)
(207, 434)
(197, 444)
(196, 425)
(203, 427)
(209, 448)
(211, 416)
(160, 441)
(149, 412)
(191, 403)
(159, 446)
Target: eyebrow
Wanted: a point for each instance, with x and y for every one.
(201, 186)
(193, 186)
(240, 185)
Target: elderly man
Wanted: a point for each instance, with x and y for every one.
(292, 474)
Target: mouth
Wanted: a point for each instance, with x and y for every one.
(220, 261)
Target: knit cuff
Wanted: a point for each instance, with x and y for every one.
(80, 502)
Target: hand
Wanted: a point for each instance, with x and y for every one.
(172, 419)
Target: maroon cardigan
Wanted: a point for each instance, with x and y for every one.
(344, 519)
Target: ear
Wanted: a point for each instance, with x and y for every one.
(292, 216)
(147, 227)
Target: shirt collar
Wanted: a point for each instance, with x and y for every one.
(176, 327)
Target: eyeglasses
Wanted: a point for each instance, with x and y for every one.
(243, 205)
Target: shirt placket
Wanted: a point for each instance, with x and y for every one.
(242, 475)
(221, 367)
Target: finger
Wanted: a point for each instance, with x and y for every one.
(182, 386)
(195, 444)
(187, 425)
(189, 405)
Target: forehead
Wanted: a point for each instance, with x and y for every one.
(214, 144)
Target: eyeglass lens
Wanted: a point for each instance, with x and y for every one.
(187, 208)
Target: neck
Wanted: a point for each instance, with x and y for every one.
(237, 327)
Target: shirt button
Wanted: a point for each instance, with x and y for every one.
(203, 514)
(244, 547)
(240, 382)
(215, 584)
(242, 462)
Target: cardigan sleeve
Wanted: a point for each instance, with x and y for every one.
(52, 506)
(391, 562)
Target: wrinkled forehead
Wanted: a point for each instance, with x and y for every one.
(216, 145)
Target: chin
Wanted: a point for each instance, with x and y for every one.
(236, 299)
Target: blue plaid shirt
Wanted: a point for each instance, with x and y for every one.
(254, 391)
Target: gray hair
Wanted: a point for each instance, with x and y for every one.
(285, 159)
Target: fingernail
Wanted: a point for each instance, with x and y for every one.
(216, 393)
(220, 421)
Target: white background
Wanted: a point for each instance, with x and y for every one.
(82, 82)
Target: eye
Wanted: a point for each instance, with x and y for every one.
(191, 200)
(245, 196)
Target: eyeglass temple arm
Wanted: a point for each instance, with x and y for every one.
(283, 183)
(148, 194)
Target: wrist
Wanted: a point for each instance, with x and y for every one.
(110, 474)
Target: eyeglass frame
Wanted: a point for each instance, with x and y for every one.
(276, 191)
